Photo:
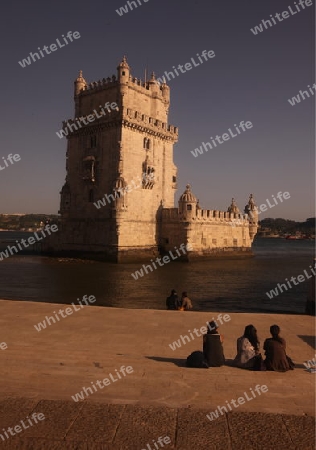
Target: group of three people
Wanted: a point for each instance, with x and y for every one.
(175, 303)
(248, 350)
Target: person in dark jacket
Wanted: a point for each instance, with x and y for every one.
(173, 301)
(276, 358)
(213, 347)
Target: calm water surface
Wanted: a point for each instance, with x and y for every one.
(215, 285)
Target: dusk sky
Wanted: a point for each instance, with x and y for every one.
(250, 78)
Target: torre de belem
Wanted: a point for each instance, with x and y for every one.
(117, 202)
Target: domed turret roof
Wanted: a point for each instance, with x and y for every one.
(233, 208)
(123, 63)
(188, 196)
(251, 206)
(80, 77)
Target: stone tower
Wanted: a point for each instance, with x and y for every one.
(120, 170)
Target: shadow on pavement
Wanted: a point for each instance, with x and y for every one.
(310, 340)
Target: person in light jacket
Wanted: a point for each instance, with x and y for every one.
(248, 350)
(186, 302)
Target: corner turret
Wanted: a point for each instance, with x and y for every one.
(80, 83)
(123, 71)
(252, 211)
(233, 208)
(187, 203)
(153, 84)
(165, 93)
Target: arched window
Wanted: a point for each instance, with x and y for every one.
(189, 207)
(148, 144)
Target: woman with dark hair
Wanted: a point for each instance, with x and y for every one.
(212, 346)
(276, 358)
(248, 354)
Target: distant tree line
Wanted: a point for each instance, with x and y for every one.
(24, 222)
(274, 226)
(284, 226)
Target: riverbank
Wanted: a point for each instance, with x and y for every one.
(44, 370)
(57, 362)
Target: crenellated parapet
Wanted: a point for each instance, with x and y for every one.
(106, 115)
(149, 87)
(161, 91)
(122, 89)
(99, 85)
(190, 211)
(206, 215)
(150, 125)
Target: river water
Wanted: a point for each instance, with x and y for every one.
(235, 285)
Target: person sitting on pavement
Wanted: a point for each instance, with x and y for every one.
(213, 346)
(185, 302)
(248, 350)
(173, 301)
(276, 358)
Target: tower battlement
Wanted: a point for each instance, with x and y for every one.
(152, 125)
(206, 215)
(134, 82)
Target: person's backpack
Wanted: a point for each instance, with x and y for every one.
(197, 360)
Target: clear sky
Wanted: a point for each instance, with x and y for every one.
(250, 79)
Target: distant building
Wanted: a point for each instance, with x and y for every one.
(117, 202)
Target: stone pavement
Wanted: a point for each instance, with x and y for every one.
(94, 426)
(41, 371)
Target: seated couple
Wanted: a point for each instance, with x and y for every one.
(175, 303)
(249, 356)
